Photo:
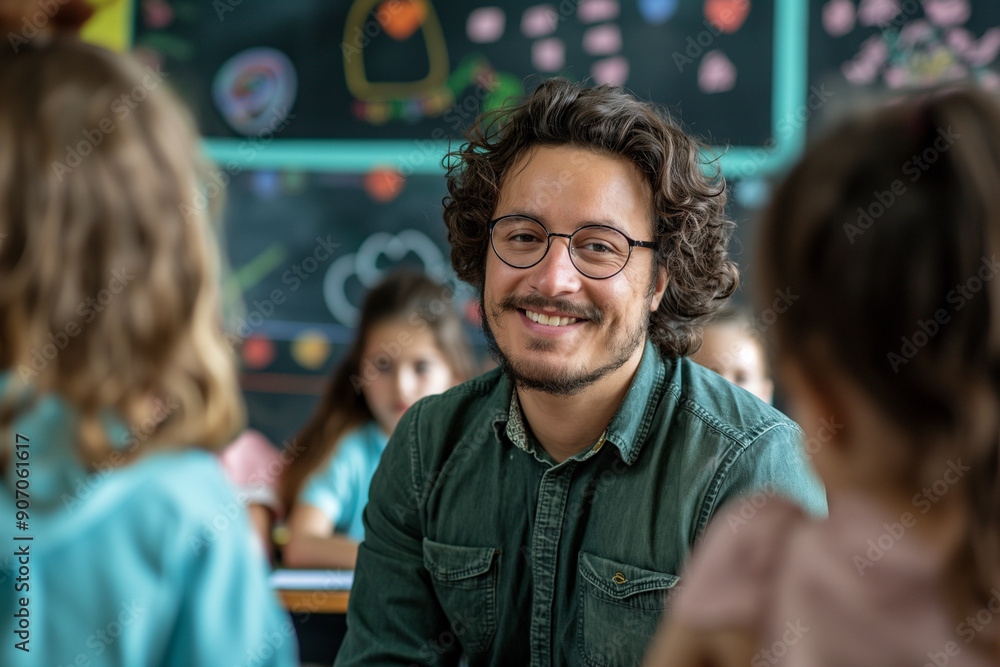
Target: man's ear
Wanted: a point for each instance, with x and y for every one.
(662, 279)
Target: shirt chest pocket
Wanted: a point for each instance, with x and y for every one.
(620, 607)
(465, 582)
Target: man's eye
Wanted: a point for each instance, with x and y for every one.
(525, 237)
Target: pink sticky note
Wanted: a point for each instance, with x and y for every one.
(838, 17)
(716, 73)
(602, 40)
(595, 11)
(539, 20)
(985, 51)
(947, 12)
(485, 25)
(548, 55)
(610, 70)
(878, 12)
(868, 63)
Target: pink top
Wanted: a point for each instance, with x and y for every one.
(254, 466)
(854, 590)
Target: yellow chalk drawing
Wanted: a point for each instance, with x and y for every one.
(387, 91)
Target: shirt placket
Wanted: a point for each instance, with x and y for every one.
(553, 492)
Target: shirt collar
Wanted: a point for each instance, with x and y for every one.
(629, 426)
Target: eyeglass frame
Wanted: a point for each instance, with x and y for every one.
(632, 243)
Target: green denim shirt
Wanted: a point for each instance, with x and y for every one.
(474, 545)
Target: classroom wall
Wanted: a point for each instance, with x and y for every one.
(328, 121)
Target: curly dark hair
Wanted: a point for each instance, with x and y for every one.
(691, 230)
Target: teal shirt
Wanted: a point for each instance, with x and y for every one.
(152, 564)
(340, 489)
(474, 545)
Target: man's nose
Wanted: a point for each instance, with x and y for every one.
(556, 274)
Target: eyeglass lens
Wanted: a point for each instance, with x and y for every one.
(596, 251)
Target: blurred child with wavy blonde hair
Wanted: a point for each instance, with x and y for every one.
(130, 548)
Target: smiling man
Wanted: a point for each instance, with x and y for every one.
(540, 514)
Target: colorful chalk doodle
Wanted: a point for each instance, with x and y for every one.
(255, 90)
(422, 70)
(905, 44)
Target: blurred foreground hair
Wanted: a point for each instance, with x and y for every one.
(108, 268)
(889, 229)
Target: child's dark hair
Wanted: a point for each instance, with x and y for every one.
(888, 229)
(405, 296)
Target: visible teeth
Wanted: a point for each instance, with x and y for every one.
(552, 321)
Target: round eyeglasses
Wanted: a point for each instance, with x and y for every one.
(597, 251)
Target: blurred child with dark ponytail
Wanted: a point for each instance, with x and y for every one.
(889, 230)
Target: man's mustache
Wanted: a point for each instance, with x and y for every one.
(539, 303)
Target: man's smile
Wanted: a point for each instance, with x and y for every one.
(554, 320)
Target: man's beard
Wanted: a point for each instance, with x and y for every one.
(567, 382)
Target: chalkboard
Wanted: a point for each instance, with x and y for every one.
(413, 69)
(303, 248)
(904, 44)
(329, 118)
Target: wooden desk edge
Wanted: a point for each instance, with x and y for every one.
(313, 601)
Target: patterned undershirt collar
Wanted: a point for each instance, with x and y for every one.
(518, 434)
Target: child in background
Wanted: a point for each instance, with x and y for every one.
(131, 549)
(731, 348)
(892, 359)
(410, 344)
